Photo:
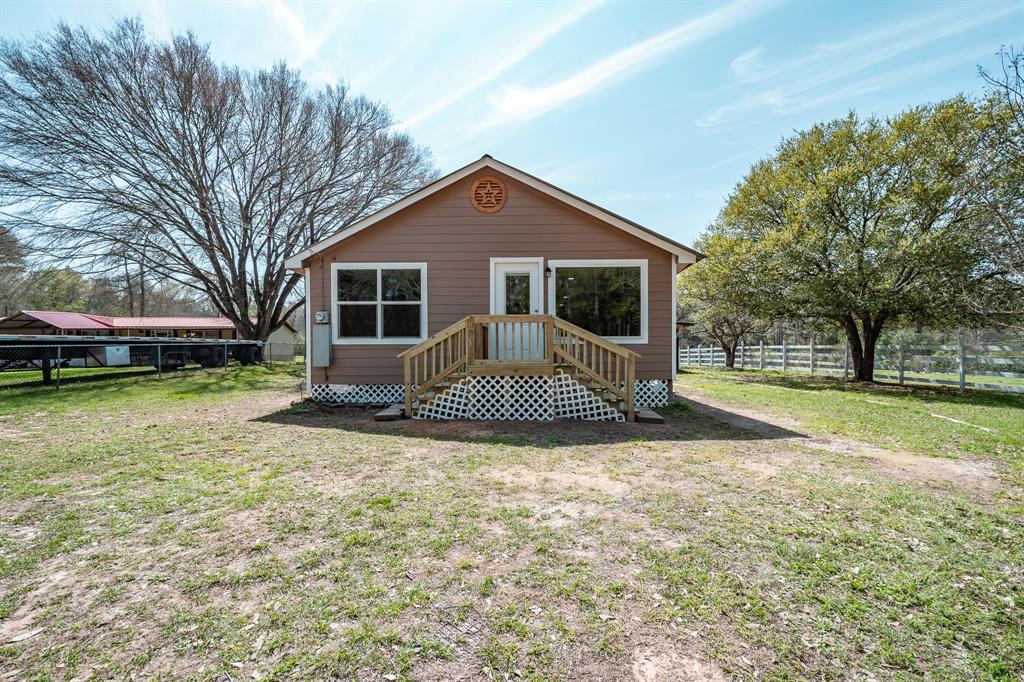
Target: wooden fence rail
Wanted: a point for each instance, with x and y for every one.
(962, 364)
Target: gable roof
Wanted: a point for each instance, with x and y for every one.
(43, 319)
(685, 253)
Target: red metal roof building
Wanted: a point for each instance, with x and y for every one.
(84, 324)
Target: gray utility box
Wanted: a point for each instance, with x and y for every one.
(321, 345)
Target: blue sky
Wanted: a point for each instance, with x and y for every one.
(654, 110)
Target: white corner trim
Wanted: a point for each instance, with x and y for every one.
(308, 314)
(336, 322)
(607, 262)
(675, 325)
(685, 255)
(539, 260)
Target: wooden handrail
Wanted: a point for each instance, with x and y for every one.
(433, 360)
(608, 364)
(592, 337)
(426, 343)
(520, 340)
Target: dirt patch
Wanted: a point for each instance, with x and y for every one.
(19, 626)
(657, 664)
(911, 467)
(577, 481)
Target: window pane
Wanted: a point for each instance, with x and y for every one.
(357, 321)
(400, 285)
(357, 285)
(604, 300)
(517, 293)
(401, 321)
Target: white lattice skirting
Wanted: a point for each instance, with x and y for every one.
(452, 404)
(358, 394)
(574, 401)
(526, 398)
(511, 398)
(649, 392)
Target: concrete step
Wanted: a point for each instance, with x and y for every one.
(646, 415)
(390, 413)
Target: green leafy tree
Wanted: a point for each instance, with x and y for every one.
(725, 295)
(866, 222)
(56, 289)
(103, 297)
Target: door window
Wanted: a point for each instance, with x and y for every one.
(517, 293)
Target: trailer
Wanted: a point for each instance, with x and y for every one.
(49, 353)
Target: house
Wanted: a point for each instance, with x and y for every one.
(282, 344)
(47, 322)
(491, 293)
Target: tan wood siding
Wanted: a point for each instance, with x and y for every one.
(457, 242)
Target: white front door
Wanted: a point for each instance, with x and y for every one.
(516, 287)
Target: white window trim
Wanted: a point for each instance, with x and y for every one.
(605, 262)
(539, 260)
(335, 318)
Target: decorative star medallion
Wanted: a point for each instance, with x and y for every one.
(488, 194)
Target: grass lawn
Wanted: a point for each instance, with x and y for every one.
(28, 378)
(206, 526)
(927, 420)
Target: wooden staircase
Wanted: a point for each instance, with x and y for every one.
(518, 345)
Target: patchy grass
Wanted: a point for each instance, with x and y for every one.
(203, 526)
(934, 421)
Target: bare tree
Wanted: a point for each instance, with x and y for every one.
(12, 268)
(196, 172)
(999, 182)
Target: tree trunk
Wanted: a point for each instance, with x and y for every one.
(142, 291)
(129, 289)
(730, 354)
(863, 341)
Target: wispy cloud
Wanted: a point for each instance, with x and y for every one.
(518, 103)
(786, 88)
(527, 46)
(155, 16)
(746, 62)
(307, 43)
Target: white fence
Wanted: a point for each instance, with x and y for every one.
(994, 367)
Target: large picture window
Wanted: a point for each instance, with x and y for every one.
(379, 302)
(608, 298)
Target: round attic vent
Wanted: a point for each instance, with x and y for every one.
(488, 194)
